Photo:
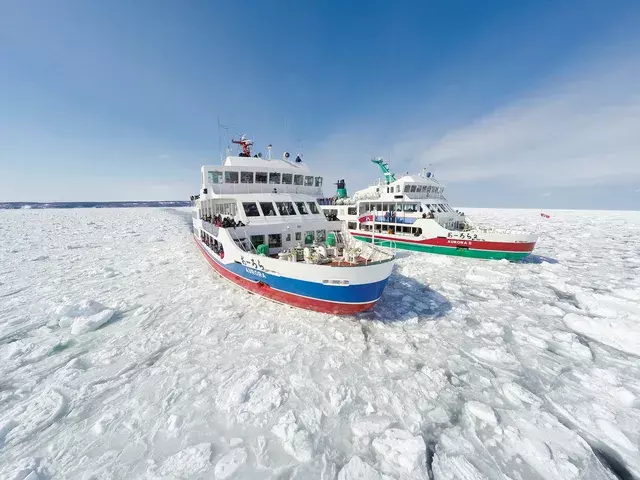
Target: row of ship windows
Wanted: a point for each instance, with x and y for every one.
(428, 189)
(270, 209)
(274, 178)
(406, 207)
(275, 239)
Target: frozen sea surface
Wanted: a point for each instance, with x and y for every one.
(122, 355)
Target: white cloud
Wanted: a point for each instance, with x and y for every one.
(578, 133)
(580, 129)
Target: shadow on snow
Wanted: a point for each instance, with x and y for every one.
(407, 299)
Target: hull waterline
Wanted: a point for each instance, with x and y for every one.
(283, 297)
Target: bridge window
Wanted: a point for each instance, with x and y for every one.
(313, 207)
(413, 188)
(267, 209)
(298, 179)
(274, 177)
(287, 178)
(407, 188)
(308, 181)
(302, 209)
(251, 209)
(215, 176)
(261, 177)
(246, 177)
(230, 177)
(275, 240)
(285, 208)
(318, 181)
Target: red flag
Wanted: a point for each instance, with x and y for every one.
(367, 217)
(545, 215)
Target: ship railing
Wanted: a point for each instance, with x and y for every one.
(210, 227)
(241, 242)
(371, 252)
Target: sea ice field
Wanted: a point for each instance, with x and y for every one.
(123, 355)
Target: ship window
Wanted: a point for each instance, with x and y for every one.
(321, 235)
(413, 188)
(246, 177)
(257, 240)
(302, 209)
(308, 181)
(251, 209)
(351, 225)
(386, 207)
(298, 236)
(267, 209)
(230, 177)
(308, 237)
(261, 177)
(285, 208)
(275, 240)
(407, 188)
(298, 179)
(313, 207)
(287, 178)
(351, 211)
(215, 176)
(397, 188)
(288, 238)
(274, 177)
(318, 181)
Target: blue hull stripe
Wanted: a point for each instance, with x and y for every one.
(363, 293)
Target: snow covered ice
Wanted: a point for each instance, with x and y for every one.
(123, 355)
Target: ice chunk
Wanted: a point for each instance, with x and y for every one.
(230, 462)
(84, 324)
(445, 467)
(481, 411)
(399, 451)
(356, 469)
(371, 425)
(621, 334)
(188, 462)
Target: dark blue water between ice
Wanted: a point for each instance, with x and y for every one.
(37, 205)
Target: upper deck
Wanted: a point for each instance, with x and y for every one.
(251, 175)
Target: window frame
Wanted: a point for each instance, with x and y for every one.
(243, 177)
(266, 177)
(244, 208)
(271, 174)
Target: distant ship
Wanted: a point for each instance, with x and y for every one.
(411, 213)
(257, 222)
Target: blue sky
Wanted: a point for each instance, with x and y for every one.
(515, 104)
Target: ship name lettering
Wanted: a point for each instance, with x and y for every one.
(255, 272)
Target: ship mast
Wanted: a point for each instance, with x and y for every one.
(384, 166)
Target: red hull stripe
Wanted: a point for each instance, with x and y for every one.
(284, 297)
(454, 242)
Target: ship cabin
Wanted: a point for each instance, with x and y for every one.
(397, 205)
(263, 201)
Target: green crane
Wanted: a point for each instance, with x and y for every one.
(384, 166)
